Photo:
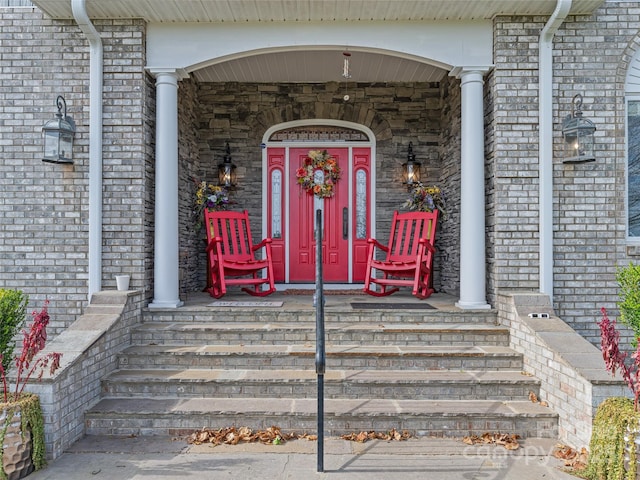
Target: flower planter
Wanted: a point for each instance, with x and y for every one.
(17, 445)
(22, 435)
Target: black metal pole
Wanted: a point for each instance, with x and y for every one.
(320, 347)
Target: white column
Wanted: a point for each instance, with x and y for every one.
(472, 201)
(166, 285)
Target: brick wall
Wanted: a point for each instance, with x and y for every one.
(590, 57)
(44, 209)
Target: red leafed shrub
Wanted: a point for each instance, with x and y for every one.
(614, 358)
(28, 362)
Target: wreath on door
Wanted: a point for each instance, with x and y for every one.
(322, 186)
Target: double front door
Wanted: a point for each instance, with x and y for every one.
(346, 216)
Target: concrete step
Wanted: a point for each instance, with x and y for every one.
(356, 384)
(344, 332)
(402, 357)
(451, 418)
(306, 312)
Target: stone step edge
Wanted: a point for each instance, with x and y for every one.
(398, 377)
(285, 407)
(420, 327)
(397, 351)
(353, 317)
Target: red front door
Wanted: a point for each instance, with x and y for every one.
(302, 216)
(291, 214)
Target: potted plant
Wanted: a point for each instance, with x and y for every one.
(210, 196)
(21, 419)
(616, 429)
(425, 198)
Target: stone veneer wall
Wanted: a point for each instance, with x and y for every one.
(591, 55)
(191, 243)
(397, 114)
(44, 241)
(148, 132)
(449, 232)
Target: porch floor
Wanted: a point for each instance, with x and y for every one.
(299, 302)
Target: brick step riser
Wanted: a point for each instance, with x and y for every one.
(440, 391)
(255, 362)
(441, 426)
(337, 318)
(179, 337)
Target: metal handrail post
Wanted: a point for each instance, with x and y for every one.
(320, 343)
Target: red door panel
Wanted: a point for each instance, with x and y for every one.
(361, 211)
(335, 248)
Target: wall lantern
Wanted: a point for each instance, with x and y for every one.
(578, 135)
(58, 136)
(227, 171)
(411, 169)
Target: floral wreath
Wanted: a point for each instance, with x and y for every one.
(319, 160)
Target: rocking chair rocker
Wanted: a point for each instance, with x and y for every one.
(231, 255)
(409, 256)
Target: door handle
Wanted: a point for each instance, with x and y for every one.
(345, 223)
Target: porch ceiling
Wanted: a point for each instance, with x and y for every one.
(319, 66)
(309, 10)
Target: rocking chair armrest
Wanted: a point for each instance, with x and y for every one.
(427, 244)
(212, 244)
(263, 243)
(376, 243)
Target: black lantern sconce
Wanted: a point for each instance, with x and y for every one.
(411, 169)
(58, 136)
(227, 171)
(578, 135)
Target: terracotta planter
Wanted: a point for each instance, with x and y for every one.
(17, 445)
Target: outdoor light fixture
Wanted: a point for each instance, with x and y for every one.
(578, 135)
(227, 171)
(58, 136)
(346, 73)
(411, 169)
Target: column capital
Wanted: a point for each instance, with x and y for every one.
(460, 72)
(177, 73)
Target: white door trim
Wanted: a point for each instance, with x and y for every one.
(318, 144)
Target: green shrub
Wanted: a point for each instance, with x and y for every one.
(607, 447)
(629, 282)
(13, 308)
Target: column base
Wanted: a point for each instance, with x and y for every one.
(473, 305)
(166, 304)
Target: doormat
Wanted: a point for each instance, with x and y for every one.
(245, 304)
(304, 291)
(392, 306)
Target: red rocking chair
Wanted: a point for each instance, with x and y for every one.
(231, 255)
(409, 256)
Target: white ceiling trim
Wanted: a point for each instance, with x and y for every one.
(389, 55)
(239, 11)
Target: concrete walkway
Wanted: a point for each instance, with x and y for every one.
(159, 458)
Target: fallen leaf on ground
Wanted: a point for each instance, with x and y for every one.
(372, 435)
(234, 436)
(575, 459)
(506, 440)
